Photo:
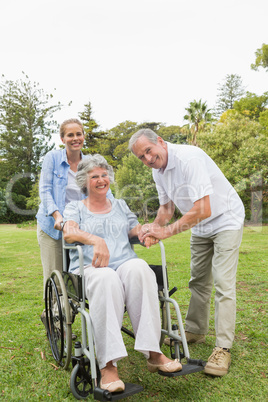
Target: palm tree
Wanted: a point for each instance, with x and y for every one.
(198, 115)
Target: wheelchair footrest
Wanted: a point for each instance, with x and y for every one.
(192, 366)
(130, 389)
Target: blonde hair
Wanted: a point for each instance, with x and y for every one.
(70, 121)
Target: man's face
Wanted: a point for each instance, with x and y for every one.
(152, 155)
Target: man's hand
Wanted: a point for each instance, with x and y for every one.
(152, 230)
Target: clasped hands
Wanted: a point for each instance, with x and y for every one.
(150, 234)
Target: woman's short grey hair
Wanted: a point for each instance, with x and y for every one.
(146, 132)
(89, 163)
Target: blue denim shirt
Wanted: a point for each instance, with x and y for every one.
(52, 190)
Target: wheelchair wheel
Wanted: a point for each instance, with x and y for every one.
(58, 318)
(81, 382)
(163, 313)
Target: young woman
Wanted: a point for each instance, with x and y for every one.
(57, 188)
(114, 275)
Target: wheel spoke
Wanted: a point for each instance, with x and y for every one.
(58, 310)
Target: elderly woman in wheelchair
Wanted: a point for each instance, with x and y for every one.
(114, 276)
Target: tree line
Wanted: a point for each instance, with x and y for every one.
(234, 134)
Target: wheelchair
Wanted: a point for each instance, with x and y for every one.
(65, 298)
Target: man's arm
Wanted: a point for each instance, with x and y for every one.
(165, 213)
(200, 211)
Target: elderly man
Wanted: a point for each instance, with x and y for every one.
(186, 177)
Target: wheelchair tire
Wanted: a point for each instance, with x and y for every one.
(58, 318)
(163, 313)
(81, 386)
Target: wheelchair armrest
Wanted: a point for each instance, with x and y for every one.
(65, 244)
(71, 245)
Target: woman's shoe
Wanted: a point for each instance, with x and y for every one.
(170, 367)
(115, 386)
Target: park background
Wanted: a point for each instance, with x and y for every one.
(195, 72)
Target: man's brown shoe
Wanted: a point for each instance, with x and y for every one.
(190, 338)
(218, 362)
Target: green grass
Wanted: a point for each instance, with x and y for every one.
(28, 371)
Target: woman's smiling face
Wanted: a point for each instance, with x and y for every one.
(98, 181)
(73, 138)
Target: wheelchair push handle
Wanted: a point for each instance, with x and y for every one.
(135, 240)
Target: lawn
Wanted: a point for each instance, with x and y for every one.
(28, 371)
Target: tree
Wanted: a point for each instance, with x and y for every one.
(198, 116)
(135, 184)
(252, 105)
(155, 126)
(261, 58)
(240, 149)
(3, 207)
(117, 141)
(34, 200)
(173, 134)
(26, 126)
(92, 135)
(115, 145)
(229, 92)
(263, 120)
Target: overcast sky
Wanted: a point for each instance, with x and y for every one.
(138, 60)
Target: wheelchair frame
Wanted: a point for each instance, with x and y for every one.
(65, 298)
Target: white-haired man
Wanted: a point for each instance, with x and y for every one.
(186, 177)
